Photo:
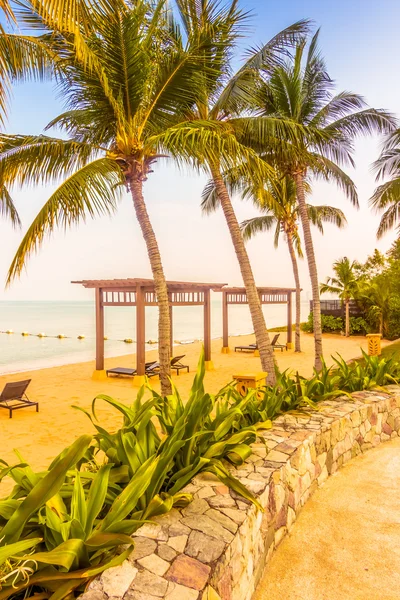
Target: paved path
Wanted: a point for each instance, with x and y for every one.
(345, 544)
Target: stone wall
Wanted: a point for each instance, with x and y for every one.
(217, 547)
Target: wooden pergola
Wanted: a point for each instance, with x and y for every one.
(267, 295)
(141, 293)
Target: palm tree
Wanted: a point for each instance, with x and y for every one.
(344, 284)
(301, 92)
(386, 197)
(277, 203)
(375, 297)
(126, 84)
(220, 105)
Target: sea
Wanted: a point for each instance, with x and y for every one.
(72, 319)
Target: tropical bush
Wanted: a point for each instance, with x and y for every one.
(359, 326)
(331, 324)
(393, 325)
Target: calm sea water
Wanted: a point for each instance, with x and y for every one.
(18, 353)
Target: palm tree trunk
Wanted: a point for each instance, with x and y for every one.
(160, 284)
(312, 268)
(292, 253)
(347, 303)
(381, 324)
(257, 316)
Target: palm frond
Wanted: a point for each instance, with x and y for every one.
(241, 90)
(365, 122)
(326, 169)
(40, 159)
(326, 214)
(255, 225)
(7, 207)
(92, 190)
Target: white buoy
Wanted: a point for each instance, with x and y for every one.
(81, 337)
(24, 333)
(61, 336)
(9, 331)
(41, 334)
(151, 342)
(105, 337)
(128, 340)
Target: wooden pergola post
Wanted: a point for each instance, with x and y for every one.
(172, 334)
(99, 332)
(140, 332)
(289, 344)
(207, 331)
(225, 326)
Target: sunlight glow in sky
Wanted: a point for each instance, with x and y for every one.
(358, 41)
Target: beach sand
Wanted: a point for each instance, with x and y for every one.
(41, 436)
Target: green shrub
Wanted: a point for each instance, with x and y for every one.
(329, 324)
(393, 326)
(359, 326)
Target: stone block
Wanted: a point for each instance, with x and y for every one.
(117, 580)
(188, 572)
(143, 547)
(178, 542)
(209, 527)
(237, 516)
(166, 552)
(197, 507)
(203, 547)
(154, 531)
(154, 564)
(146, 582)
(180, 592)
(222, 519)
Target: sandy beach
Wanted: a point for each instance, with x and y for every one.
(40, 436)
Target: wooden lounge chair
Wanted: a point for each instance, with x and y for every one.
(249, 348)
(126, 371)
(252, 347)
(274, 343)
(14, 397)
(175, 364)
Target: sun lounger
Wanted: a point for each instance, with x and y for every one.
(175, 365)
(274, 343)
(252, 347)
(249, 348)
(126, 371)
(14, 397)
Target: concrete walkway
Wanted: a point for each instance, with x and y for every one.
(345, 544)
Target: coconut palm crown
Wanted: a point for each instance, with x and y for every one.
(344, 284)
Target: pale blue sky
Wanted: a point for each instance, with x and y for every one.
(358, 40)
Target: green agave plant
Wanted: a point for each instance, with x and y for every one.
(70, 519)
(372, 372)
(186, 438)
